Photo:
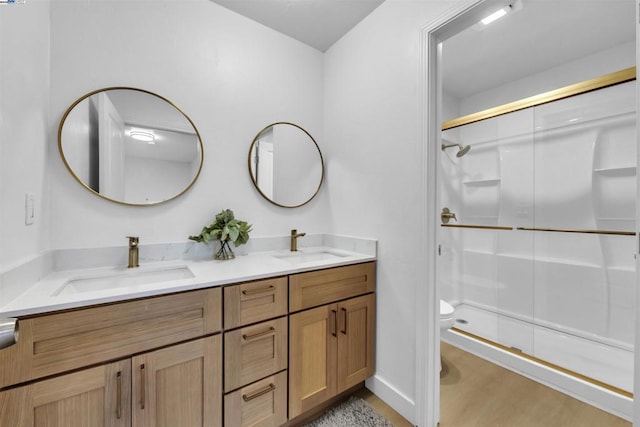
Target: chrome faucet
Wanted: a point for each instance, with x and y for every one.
(133, 251)
(294, 239)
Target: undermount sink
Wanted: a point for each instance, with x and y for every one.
(302, 256)
(120, 279)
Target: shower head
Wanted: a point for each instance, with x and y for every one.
(461, 150)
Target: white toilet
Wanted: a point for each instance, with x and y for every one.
(446, 316)
(446, 321)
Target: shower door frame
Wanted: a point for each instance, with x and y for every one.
(450, 23)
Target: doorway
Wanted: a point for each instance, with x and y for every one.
(435, 50)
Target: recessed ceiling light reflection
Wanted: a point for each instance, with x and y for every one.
(140, 135)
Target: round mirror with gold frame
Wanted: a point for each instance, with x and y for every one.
(130, 146)
(286, 165)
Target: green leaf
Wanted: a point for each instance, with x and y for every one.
(225, 227)
(233, 234)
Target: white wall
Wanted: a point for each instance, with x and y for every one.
(145, 184)
(230, 75)
(589, 67)
(373, 142)
(24, 127)
(297, 165)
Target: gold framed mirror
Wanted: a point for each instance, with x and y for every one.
(286, 165)
(130, 146)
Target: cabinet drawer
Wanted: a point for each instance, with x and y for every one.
(263, 403)
(55, 343)
(254, 302)
(325, 286)
(254, 352)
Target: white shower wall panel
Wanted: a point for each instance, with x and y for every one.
(622, 294)
(562, 179)
(571, 296)
(480, 278)
(570, 164)
(516, 286)
(614, 181)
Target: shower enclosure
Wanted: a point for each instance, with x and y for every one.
(540, 257)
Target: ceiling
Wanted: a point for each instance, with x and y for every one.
(541, 35)
(318, 23)
(551, 32)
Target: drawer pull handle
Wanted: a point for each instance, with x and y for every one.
(267, 389)
(344, 321)
(142, 386)
(119, 395)
(334, 326)
(248, 337)
(257, 291)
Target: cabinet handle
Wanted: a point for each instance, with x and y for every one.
(334, 326)
(142, 386)
(257, 291)
(119, 395)
(344, 320)
(248, 337)
(267, 389)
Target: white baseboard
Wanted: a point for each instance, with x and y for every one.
(392, 397)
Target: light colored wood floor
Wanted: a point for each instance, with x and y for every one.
(477, 393)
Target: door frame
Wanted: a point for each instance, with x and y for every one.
(636, 359)
(458, 18)
(452, 21)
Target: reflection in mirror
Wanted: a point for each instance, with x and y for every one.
(286, 165)
(130, 146)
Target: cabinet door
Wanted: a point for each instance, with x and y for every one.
(179, 385)
(356, 341)
(97, 397)
(312, 358)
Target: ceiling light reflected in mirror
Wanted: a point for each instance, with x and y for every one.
(144, 136)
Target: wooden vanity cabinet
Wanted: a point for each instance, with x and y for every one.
(261, 404)
(175, 386)
(170, 335)
(331, 347)
(290, 343)
(256, 358)
(254, 352)
(59, 342)
(179, 385)
(319, 287)
(252, 302)
(99, 396)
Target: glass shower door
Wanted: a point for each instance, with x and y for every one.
(487, 265)
(585, 201)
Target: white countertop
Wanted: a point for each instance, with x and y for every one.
(43, 295)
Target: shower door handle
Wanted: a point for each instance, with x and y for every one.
(446, 215)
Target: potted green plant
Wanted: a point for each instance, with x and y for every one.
(226, 228)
